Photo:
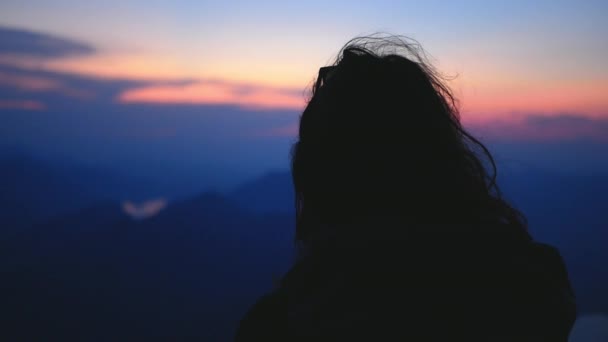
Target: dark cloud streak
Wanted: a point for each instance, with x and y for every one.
(35, 44)
(545, 127)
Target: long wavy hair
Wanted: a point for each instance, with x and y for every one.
(381, 137)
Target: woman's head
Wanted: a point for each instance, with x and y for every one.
(381, 137)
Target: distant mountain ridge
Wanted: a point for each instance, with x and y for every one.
(36, 190)
(152, 279)
(271, 192)
(190, 272)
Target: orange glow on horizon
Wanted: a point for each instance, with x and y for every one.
(485, 93)
(166, 68)
(585, 99)
(216, 94)
(588, 99)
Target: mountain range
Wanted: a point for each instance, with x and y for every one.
(77, 267)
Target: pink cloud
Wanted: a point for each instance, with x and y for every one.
(144, 210)
(216, 93)
(22, 105)
(40, 84)
(28, 83)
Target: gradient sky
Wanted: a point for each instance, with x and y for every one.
(225, 80)
(510, 56)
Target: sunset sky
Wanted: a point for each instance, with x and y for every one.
(542, 56)
(523, 69)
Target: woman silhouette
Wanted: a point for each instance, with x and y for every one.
(401, 229)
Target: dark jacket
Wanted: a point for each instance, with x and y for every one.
(431, 284)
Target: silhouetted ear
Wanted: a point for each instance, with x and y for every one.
(352, 58)
(325, 74)
(348, 54)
